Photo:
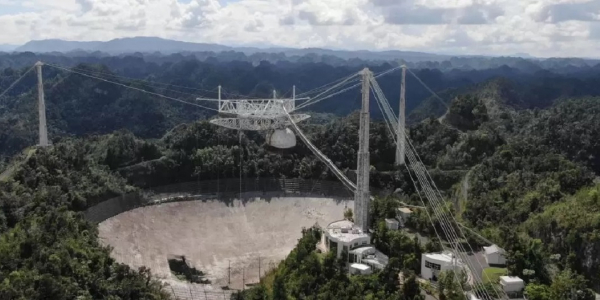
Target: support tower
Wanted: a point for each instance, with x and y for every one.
(401, 133)
(362, 195)
(42, 107)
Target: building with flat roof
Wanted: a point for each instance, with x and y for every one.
(513, 286)
(341, 236)
(360, 269)
(392, 224)
(432, 264)
(370, 256)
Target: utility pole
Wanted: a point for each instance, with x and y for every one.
(401, 133)
(243, 278)
(229, 272)
(219, 97)
(259, 268)
(43, 129)
(294, 97)
(361, 196)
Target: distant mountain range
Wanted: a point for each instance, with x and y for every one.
(164, 46)
(7, 47)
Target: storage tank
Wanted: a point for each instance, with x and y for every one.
(282, 138)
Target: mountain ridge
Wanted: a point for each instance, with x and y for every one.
(167, 46)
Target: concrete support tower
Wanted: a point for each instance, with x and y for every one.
(42, 107)
(362, 196)
(401, 133)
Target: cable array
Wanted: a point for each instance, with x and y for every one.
(16, 81)
(448, 223)
(350, 82)
(133, 88)
(320, 97)
(428, 88)
(140, 81)
(334, 169)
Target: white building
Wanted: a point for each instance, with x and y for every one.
(342, 236)
(432, 264)
(403, 214)
(360, 269)
(391, 224)
(513, 286)
(495, 255)
(369, 256)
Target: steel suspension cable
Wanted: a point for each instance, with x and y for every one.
(389, 116)
(418, 165)
(334, 169)
(15, 82)
(312, 101)
(134, 88)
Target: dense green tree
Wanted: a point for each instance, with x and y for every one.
(537, 292)
(568, 285)
(467, 112)
(451, 285)
(410, 288)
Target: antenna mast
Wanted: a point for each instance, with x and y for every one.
(41, 106)
(401, 134)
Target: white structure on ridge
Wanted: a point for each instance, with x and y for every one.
(362, 196)
(495, 255)
(43, 129)
(432, 264)
(513, 286)
(401, 133)
(343, 236)
(370, 256)
(392, 224)
(261, 115)
(360, 269)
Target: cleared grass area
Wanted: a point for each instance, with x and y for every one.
(493, 274)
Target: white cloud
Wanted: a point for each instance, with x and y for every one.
(539, 27)
(569, 11)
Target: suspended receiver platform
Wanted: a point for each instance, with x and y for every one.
(261, 115)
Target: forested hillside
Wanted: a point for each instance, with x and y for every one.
(510, 155)
(80, 106)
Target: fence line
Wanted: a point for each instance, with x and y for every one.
(197, 292)
(225, 190)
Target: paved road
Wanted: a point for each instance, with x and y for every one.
(477, 261)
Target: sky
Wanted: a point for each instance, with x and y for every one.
(543, 28)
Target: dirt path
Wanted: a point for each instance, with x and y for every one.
(461, 201)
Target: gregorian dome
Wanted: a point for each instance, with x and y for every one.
(282, 138)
